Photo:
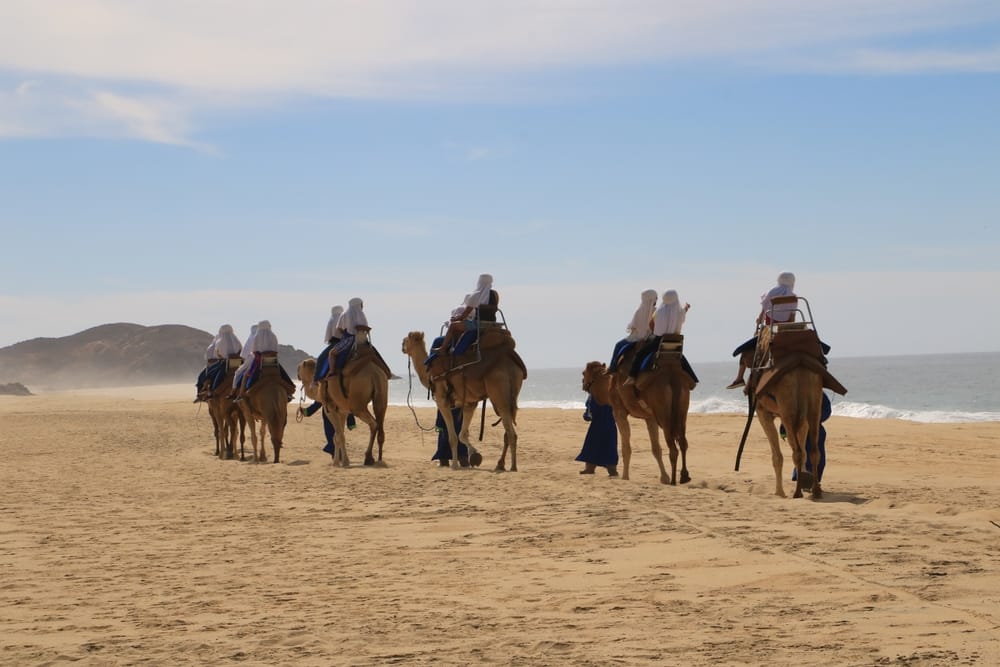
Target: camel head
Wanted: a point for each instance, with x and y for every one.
(414, 343)
(594, 371)
(305, 371)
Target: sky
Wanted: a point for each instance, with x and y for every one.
(209, 162)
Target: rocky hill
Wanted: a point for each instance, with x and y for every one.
(115, 355)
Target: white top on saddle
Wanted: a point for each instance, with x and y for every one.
(783, 312)
(226, 343)
(482, 293)
(670, 315)
(210, 351)
(264, 340)
(331, 324)
(353, 317)
(638, 328)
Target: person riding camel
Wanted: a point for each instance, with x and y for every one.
(669, 319)
(478, 309)
(767, 315)
(265, 344)
(638, 329)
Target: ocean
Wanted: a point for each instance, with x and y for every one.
(932, 388)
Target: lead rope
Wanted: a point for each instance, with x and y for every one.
(409, 393)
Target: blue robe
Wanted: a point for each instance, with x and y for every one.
(443, 452)
(600, 445)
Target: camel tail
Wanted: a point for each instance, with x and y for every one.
(380, 403)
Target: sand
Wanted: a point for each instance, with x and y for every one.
(126, 542)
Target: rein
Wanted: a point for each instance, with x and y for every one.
(409, 393)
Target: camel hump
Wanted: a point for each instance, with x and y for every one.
(787, 363)
(493, 337)
(365, 355)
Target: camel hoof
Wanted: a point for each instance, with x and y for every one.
(500, 468)
(369, 460)
(797, 494)
(817, 493)
(685, 477)
(475, 459)
(454, 465)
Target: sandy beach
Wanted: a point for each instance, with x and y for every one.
(125, 541)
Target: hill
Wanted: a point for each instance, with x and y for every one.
(116, 355)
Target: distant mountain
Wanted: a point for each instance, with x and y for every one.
(116, 355)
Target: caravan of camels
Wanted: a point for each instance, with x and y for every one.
(475, 361)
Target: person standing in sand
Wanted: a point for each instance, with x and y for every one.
(600, 445)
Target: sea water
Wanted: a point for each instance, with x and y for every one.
(934, 388)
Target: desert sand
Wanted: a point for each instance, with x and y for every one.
(125, 541)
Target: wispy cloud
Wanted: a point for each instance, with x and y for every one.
(193, 54)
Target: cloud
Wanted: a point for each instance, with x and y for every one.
(190, 57)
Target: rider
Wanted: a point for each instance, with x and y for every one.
(332, 337)
(351, 321)
(265, 342)
(669, 319)
(779, 313)
(638, 329)
(478, 308)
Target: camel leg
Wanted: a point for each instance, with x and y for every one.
(654, 442)
(444, 407)
(509, 439)
(797, 439)
(361, 413)
(262, 456)
(625, 431)
(679, 420)
(340, 438)
(767, 423)
(468, 413)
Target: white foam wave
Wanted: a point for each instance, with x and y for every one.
(717, 405)
(867, 411)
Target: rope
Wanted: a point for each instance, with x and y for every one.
(409, 393)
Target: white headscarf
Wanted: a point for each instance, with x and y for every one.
(331, 324)
(265, 340)
(247, 352)
(670, 315)
(482, 293)
(210, 350)
(638, 328)
(226, 342)
(353, 317)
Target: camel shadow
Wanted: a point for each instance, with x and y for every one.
(842, 497)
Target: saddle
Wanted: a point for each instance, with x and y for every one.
(494, 343)
(791, 347)
(666, 359)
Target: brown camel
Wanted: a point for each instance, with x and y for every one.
(497, 373)
(363, 380)
(789, 386)
(266, 402)
(660, 397)
(227, 418)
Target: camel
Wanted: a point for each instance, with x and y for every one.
(363, 380)
(227, 417)
(789, 386)
(660, 397)
(498, 375)
(266, 402)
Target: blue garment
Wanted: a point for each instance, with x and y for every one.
(443, 452)
(434, 353)
(825, 412)
(621, 347)
(467, 338)
(600, 445)
(343, 350)
(323, 361)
